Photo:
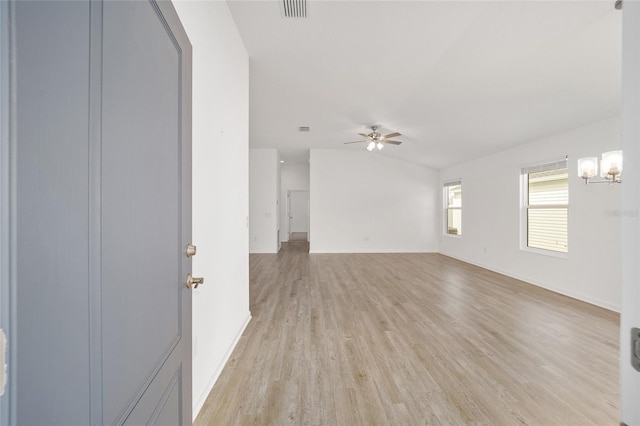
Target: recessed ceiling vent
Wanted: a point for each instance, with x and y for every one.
(294, 8)
(303, 128)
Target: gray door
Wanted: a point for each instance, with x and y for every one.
(4, 206)
(101, 214)
(146, 216)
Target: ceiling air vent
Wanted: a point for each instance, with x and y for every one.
(294, 8)
(303, 128)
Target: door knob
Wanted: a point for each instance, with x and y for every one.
(193, 282)
(191, 250)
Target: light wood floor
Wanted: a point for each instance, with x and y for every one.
(350, 339)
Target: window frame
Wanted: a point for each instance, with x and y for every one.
(524, 206)
(445, 207)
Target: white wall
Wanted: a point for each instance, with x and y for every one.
(364, 202)
(491, 217)
(220, 188)
(264, 166)
(292, 177)
(630, 226)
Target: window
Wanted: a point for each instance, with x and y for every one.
(453, 207)
(545, 191)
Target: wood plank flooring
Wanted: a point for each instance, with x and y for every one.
(404, 339)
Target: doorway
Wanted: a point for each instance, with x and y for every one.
(298, 215)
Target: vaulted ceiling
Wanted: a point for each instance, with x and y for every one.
(458, 79)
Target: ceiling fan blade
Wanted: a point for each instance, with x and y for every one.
(391, 135)
(364, 136)
(392, 142)
(346, 143)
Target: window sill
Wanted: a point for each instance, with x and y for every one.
(454, 236)
(549, 253)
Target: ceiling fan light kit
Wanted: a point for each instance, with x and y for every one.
(376, 140)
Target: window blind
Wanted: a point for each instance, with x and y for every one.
(452, 182)
(547, 229)
(553, 165)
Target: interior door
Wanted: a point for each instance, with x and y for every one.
(298, 211)
(4, 212)
(146, 215)
(100, 214)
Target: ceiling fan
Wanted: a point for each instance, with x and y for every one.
(376, 140)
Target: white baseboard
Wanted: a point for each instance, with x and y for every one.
(581, 297)
(351, 251)
(198, 403)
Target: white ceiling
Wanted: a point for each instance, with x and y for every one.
(458, 79)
